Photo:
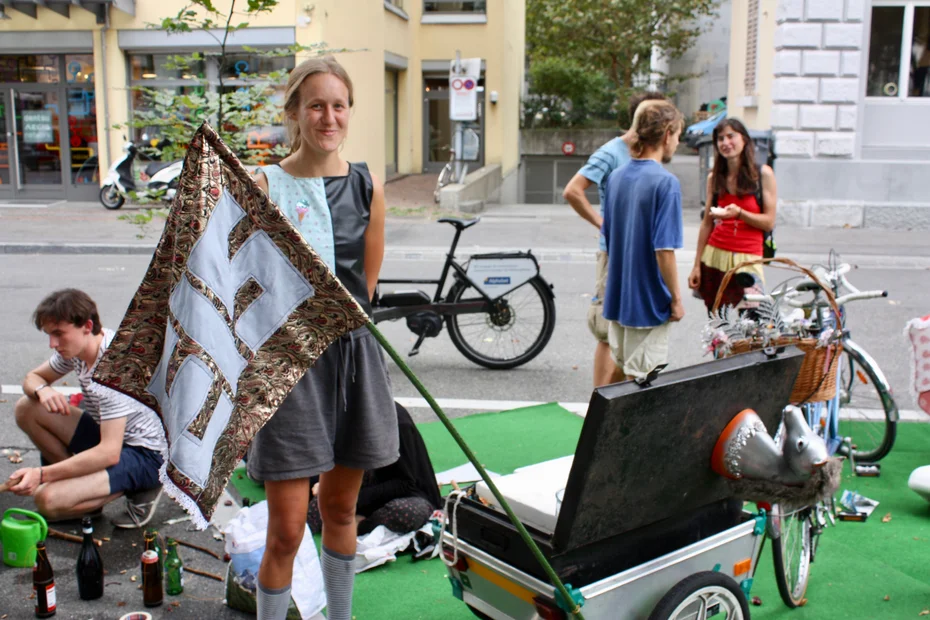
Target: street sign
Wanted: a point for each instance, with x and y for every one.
(568, 148)
(463, 90)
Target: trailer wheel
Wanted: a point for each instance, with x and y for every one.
(701, 596)
(480, 614)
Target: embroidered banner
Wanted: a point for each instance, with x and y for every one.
(234, 308)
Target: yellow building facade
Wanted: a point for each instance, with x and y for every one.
(68, 68)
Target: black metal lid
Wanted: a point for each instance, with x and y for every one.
(644, 452)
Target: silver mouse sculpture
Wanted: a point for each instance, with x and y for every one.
(746, 451)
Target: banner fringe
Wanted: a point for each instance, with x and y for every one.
(182, 498)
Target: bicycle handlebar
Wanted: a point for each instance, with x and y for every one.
(789, 298)
(860, 295)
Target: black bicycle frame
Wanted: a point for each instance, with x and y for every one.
(437, 305)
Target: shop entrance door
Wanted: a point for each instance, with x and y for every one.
(33, 149)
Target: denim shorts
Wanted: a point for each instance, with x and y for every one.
(137, 469)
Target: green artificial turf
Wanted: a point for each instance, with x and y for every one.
(857, 566)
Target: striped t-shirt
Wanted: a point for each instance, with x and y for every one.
(143, 428)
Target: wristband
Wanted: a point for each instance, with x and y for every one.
(35, 392)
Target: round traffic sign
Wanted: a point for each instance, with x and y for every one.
(568, 148)
(456, 84)
(469, 84)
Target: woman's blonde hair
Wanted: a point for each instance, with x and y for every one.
(653, 120)
(313, 66)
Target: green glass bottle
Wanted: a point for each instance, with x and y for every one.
(174, 570)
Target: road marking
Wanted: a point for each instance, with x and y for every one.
(587, 255)
(579, 408)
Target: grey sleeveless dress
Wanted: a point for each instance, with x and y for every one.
(342, 411)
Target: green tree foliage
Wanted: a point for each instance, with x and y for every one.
(565, 95)
(233, 112)
(613, 37)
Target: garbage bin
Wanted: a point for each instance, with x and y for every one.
(765, 154)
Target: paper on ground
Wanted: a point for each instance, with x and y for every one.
(463, 473)
(381, 546)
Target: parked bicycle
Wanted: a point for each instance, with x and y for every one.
(500, 311)
(447, 174)
(859, 422)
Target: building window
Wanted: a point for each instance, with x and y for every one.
(157, 72)
(444, 6)
(899, 51)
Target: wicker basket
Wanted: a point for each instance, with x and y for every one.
(816, 380)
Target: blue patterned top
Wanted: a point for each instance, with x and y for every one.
(332, 215)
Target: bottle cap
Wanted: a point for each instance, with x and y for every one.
(149, 557)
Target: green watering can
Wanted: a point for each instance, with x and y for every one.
(19, 537)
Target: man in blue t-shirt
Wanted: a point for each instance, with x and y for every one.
(612, 155)
(643, 228)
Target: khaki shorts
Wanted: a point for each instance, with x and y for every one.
(597, 324)
(638, 350)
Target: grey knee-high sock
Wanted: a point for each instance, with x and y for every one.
(273, 604)
(338, 578)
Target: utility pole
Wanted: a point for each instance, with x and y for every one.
(457, 140)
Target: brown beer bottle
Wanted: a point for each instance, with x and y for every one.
(151, 542)
(152, 590)
(43, 583)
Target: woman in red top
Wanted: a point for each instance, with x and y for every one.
(731, 232)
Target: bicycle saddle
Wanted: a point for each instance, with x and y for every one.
(459, 223)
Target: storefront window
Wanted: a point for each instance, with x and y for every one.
(889, 52)
(79, 68)
(4, 147)
(920, 54)
(239, 72)
(144, 103)
(885, 51)
(160, 67)
(34, 68)
(82, 128)
(255, 65)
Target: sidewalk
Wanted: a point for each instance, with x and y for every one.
(88, 228)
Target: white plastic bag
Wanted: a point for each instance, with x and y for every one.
(245, 544)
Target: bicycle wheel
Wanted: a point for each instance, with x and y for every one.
(445, 177)
(867, 411)
(701, 596)
(791, 552)
(514, 331)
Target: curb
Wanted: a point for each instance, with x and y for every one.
(401, 253)
(75, 248)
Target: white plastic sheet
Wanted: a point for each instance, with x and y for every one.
(245, 544)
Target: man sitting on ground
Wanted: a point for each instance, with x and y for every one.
(91, 457)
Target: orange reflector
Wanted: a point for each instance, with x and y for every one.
(742, 567)
(861, 376)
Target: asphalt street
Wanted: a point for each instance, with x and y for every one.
(896, 261)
